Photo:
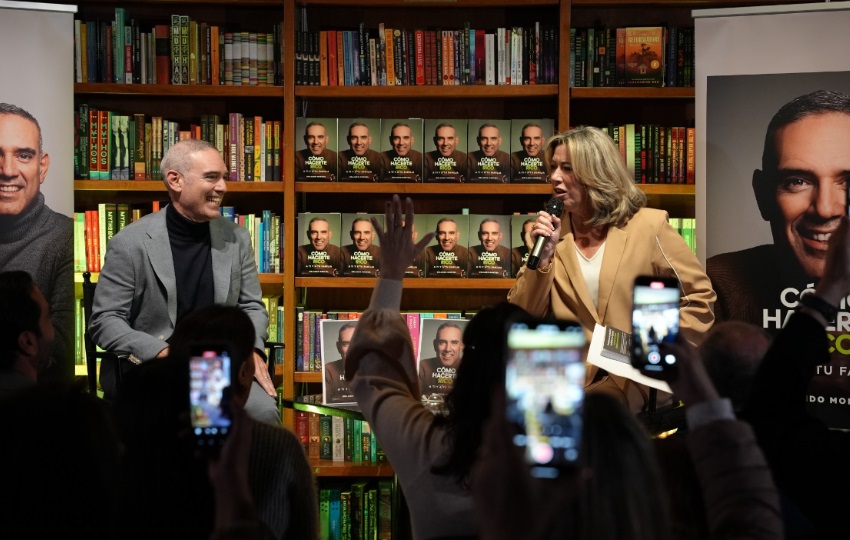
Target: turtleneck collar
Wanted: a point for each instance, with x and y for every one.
(182, 227)
(14, 227)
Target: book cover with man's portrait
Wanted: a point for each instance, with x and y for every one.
(318, 244)
(447, 254)
(440, 353)
(316, 150)
(401, 149)
(359, 158)
(521, 244)
(335, 336)
(489, 160)
(528, 145)
(361, 247)
(489, 246)
(445, 158)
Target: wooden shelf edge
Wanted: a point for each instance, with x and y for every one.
(178, 90)
(440, 189)
(667, 190)
(619, 92)
(467, 189)
(267, 279)
(272, 3)
(429, 92)
(308, 376)
(431, 3)
(679, 3)
(328, 468)
(409, 283)
(157, 185)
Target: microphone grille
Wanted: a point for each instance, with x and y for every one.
(555, 206)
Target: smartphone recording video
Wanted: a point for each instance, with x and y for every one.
(209, 375)
(544, 383)
(655, 319)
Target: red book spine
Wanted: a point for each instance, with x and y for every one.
(691, 160)
(333, 71)
(89, 229)
(420, 57)
(94, 145)
(103, 160)
(234, 153)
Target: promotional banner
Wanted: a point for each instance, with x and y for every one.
(773, 155)
(43, 85)
(37, 167)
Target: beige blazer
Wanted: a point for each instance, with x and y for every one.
(647, 244)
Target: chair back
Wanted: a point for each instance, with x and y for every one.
(91, 348)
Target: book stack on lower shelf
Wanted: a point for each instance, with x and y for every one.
(362, 509)
(337, 438)
(358, 494)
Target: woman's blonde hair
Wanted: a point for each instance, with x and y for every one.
(599, 168)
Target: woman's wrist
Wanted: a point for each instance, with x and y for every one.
(545, 266)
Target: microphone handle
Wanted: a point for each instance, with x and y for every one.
(534, 257)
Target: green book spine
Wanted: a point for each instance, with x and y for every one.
(326, 434)
(366, 441)
(348, 439)
(385, 510)
(324, 513)
(371, 514)
(356, 445)
(345, 515)
(358, 500)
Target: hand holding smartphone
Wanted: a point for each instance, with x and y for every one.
(655, 319)
(544, 383)
(209, 377)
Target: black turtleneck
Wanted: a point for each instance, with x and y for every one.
(190, 248)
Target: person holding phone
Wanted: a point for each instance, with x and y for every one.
(153, 413)
(593, 251)
(431, 455)
(738, 497)
(806, 456)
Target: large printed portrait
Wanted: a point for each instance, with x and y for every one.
(777, 164)
(37, 131)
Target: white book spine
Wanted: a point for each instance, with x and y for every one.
(338, 438)
(490, 59)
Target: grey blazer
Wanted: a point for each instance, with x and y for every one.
(135, 303)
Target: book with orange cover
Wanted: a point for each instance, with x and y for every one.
(644, 56)
(323, 57)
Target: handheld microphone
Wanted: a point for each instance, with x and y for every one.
(554, 206)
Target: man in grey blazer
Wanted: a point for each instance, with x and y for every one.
(177, 260)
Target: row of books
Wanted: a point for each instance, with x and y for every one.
(687, 228)
(650, 56)
(277, 321)
(336, 438)
(185, 51)
(416, 57)
(94, 228)
(657, 154)
(361, 510)
(114, 146)
(266, 229)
